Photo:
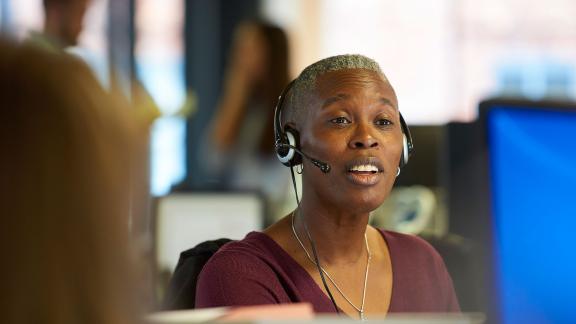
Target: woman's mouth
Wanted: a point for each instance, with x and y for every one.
(366, 172)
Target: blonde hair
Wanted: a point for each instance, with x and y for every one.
(305, 83)
(64, 197)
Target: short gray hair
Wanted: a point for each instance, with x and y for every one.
(305, 83)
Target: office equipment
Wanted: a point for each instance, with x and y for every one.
(512, 188)
(532, 165)
(184, 220)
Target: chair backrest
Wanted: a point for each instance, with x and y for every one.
(462, 262)
(181, 293)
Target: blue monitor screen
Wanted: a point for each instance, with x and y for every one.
(532, 156)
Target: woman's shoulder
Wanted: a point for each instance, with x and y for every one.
(410, 246)
(242, 272)
(407, 240)
(254, 247)
(417, 266)
(240, 261)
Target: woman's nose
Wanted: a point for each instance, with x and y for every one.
(363, 138)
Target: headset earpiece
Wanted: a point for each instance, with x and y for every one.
(405, 156)
(287, 137)
(407, 144)
(284, 153)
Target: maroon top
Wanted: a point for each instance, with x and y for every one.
(256, 270)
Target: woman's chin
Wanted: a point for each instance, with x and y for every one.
(365, 202)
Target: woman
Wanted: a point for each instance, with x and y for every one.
(238, 151)
(65, 194)
(341, 114)
(257, 72)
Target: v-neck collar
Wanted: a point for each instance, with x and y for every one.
(309, 281)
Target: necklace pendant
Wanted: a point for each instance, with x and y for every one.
(362, 317)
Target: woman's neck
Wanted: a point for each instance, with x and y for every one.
(338, 236)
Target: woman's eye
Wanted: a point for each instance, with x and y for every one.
(383, 122)
(340, 120)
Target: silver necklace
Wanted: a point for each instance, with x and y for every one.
(359, 309)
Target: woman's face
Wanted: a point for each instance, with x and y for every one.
(352, 124)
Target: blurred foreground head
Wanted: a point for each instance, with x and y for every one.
(63, 194)
(63, 20)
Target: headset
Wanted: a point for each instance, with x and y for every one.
(287, 141)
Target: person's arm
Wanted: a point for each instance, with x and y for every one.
(230, 112)
(245, 68)
(233, 279)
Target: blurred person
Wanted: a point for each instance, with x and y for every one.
(339, 123)
(64, 197)
(63, 22)
(238, 145)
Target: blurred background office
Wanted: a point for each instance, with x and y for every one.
(186, 68)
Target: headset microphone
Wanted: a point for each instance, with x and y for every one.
(323, 166)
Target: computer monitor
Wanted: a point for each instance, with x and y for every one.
(184, 220)
(531, 167)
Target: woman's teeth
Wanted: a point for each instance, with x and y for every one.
(364, 168)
